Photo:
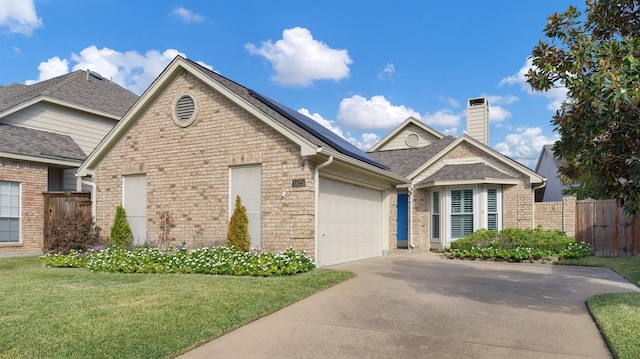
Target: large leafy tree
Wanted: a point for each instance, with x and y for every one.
(596, 57)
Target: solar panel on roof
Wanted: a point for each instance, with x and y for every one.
(343, 146)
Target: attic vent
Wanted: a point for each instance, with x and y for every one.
(184, 110)
(412, 140)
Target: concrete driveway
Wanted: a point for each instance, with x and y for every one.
(423, 306)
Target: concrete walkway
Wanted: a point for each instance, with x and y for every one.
(424, 306)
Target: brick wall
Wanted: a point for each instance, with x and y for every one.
(557, 215)
(33, 182)
(187, 171)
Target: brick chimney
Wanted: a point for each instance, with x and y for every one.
(478, 119)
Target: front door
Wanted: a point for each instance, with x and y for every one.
(402, 220)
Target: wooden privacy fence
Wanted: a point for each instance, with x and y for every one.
(59, 204)
(605, 227)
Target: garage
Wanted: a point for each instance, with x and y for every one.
(350, 222)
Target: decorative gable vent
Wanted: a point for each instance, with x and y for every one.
(184, 110)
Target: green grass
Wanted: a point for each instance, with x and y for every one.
(617, 314)
(76, 313)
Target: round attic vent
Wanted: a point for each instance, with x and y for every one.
(184, 110)
(412, 140)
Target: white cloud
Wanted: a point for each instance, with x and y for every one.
(377, 113)
(387, 73)
(452, 102)
(525, 145)
(19, 16)
(498, 114)
(442, 118)
(187, 15)
(130, 69)
(556, 95)
(364, 143)
(501, 100)
(50, 69)
(298, 59)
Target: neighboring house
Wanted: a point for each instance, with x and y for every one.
(195, 140)
(46, 130)
(457, 185)
(547, 166)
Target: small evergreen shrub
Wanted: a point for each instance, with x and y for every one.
(238, 233)
(76, 232)
(121, 235)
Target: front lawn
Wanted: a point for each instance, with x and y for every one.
(617, 314)
(75, 313)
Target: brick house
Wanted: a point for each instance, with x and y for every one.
(457, 185)
(195, 140)
(46, 131)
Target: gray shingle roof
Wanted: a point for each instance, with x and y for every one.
(405, 161)
(559, 162)
(76, 88)
(304, 127)
(471, 171)
(46, 145)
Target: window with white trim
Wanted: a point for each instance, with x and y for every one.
(435, 215)
(461, 213)
(493, 208)
(9, 212)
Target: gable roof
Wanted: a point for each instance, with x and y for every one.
(313, 138)
(82, 90)
(406, 161)
(467, 173)
(28, 144)
(548, 149)
(403, 125)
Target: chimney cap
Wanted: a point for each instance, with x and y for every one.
(477, 101)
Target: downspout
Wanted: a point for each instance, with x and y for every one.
(533, 210)
(94, 188)
(410, 190)
(316, 180)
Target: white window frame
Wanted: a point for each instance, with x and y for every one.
(474, 213)
(12, 210)
(437, 219)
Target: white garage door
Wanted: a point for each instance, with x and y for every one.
(350, 222)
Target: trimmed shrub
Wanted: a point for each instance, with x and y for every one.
(513, 244)
(76, 232)
(238, 233)
(121, 235)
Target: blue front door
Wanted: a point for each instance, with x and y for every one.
(402, 220)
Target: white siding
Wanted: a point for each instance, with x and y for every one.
(86, 130)
(399, 141)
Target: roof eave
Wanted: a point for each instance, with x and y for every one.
(377, 171)
(38, 159)
(38, 99)
(492, 181)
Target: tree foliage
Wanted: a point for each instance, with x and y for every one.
(238, 232)
(121, 235)
(596, 57)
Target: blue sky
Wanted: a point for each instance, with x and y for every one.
(358, 67)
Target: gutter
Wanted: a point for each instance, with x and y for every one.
(94, 189)
(316, 180)
(533, 205)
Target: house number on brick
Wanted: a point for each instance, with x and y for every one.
(298, 183)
